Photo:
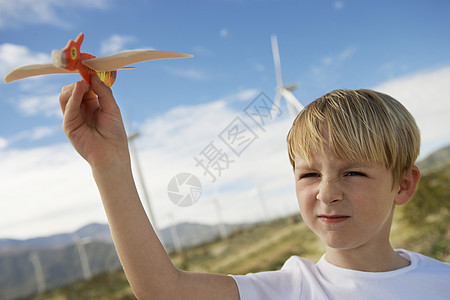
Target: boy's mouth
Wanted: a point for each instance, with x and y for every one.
(333, 219)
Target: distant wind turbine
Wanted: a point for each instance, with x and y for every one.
(174, 233)
(222, 228)
(38, 272)
(80, 244)
(283, 91)
(263, 203)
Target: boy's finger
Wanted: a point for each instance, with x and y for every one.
(64, 96)
(72, 108)
(68, 87)
(105, 96)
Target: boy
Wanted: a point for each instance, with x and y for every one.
(353, 154)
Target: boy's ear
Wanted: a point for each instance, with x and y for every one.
(408, 186)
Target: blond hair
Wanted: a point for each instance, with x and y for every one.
(358, 126)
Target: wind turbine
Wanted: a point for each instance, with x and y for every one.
(283, 91)
(38, 272)
(263, 203)
(222, 228)
(174, 233)
(80, 244)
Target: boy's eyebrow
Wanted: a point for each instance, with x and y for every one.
(358, 165)
(345, 166)
(300, 165)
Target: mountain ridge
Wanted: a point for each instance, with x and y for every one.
(60, 255)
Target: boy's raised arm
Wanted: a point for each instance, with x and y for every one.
(94, 126)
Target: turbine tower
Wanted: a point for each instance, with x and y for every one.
(263, 203)
(222, 228)
(174, 233)
(80, 244)
(283, 91)
(38, 272)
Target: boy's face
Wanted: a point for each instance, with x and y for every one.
(347, 205)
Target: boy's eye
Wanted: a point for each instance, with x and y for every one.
(354, 173)
(309, 175)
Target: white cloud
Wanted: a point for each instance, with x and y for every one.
(247, 94)
(41, 132)
(334, 60)
(47, 105)
(346, 54)
(426, 95)
(186, 73)
(12, 56)
(242, 95)
(33, 134)
(3, 143)
(223, 32)
(45, 190)
(18, 12)
(338, 5)
(258, 67)
(30, 135)
(201, 50)
(115, 43)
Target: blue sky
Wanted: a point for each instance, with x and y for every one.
(181, 105)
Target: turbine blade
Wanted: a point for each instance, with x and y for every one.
(119, 60)
(35, 70)
(293, 104)
(292, 110)
(277, 101)
(276, 61)
(276, 105)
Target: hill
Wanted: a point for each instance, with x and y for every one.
(423, 223)
(435, 161)
(262, 247)
(65, 258)
(94, 232)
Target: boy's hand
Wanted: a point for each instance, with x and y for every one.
(93, 123)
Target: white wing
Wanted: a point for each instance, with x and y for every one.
(35, 70)
(125, 58)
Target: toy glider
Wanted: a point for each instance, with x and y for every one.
(72, 60)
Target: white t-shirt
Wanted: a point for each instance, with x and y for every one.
(299, 278)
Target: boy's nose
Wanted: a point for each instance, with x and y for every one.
(329, 192)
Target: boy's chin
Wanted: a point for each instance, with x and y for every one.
(338, 242)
